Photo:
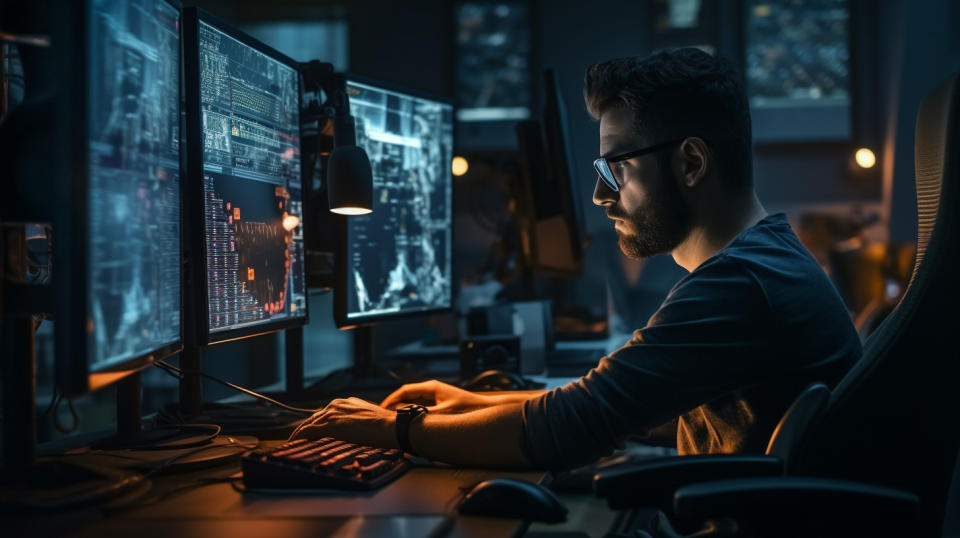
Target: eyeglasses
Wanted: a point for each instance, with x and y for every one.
(602, 165)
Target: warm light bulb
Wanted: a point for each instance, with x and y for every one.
(351, 210)
(459, 166)
(290, 222)
(865, 158)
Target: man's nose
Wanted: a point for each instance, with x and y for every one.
(603, 195)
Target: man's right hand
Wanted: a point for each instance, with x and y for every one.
(438, 397)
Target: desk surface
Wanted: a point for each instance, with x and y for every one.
(205, 504)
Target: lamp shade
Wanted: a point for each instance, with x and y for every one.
(349, 181)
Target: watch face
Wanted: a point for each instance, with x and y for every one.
(412, 409)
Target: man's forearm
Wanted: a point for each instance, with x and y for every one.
(514, 396)
(485, 437)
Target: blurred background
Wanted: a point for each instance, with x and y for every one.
(834, 87)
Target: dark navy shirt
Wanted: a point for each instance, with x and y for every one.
(723, 357)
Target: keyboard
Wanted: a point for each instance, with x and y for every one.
(325, 463)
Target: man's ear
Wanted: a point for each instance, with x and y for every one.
(691, 161)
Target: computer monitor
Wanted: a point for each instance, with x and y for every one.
(397, 261)
(552, 235)
(117, 248)
(244, 172)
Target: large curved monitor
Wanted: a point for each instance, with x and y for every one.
(397, 261)
(245, 166)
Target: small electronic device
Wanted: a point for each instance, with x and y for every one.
(495, 380)
(489, 352)
(324, 463)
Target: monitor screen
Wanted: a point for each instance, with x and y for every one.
(133, 194)
(252, 208)
(398, 258)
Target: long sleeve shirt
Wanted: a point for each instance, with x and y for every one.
(732, 345)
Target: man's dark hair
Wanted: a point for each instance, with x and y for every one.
(678, 93)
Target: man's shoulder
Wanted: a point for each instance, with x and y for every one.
(721, 287)
(761, 267)
(771, 253)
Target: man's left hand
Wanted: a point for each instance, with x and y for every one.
(352, 420)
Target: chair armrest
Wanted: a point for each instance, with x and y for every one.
(805, 506)
(652, 483)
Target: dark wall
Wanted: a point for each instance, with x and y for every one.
(407, 43)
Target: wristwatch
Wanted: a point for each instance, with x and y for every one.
(405, 416)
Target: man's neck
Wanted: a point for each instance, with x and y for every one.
(716, 229)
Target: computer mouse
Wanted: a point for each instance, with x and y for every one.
(496, 380)
(513, 498)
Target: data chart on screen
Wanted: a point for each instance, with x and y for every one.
(253, 210)
(399, 256)
(133, 194)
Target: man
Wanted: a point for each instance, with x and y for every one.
(734, 342)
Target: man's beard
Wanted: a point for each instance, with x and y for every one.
(659, 225)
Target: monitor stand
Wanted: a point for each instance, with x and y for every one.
(367, 379)
(174, 447)
(29, 483)
(249, 418)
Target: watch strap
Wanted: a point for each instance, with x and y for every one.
(405, 416)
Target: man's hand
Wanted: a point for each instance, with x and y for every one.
(438, 397)
(352, 420)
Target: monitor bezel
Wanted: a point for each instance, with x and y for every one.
(75, 373)
(192, 17)
(340, 228)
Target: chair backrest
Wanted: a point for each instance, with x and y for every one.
(796, 423)
(892, 420)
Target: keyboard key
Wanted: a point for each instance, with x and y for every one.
(291, 444)
(300, 445)
(370, 456)
(311, 451)
(351, 470)
(344, 458)
(375, 470)
(318, 457)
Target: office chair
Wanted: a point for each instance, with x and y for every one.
(879, 458)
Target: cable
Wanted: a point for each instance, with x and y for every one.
(73, 413)
(213, 431)
(170, 461)
(54, 401)
(140, 502)
(179, 373)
